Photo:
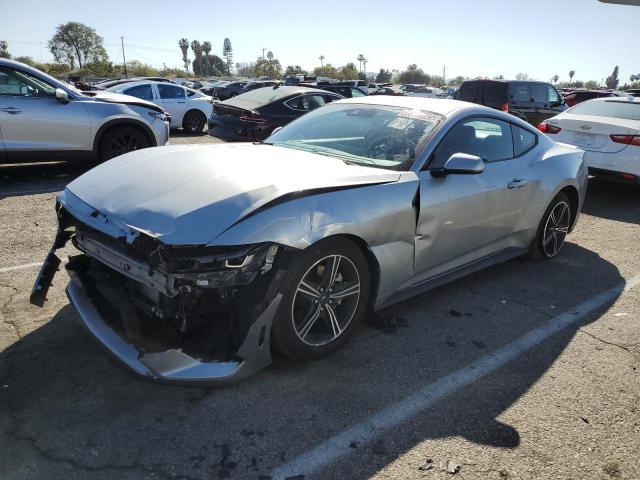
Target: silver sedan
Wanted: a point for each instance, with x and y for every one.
(194, 261)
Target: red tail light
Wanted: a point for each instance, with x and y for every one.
(253, 117)
(626, 139)
(504, 107)
(548, 128)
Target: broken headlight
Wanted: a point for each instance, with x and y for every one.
(216, 268)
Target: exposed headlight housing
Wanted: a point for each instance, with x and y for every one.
(162, 116)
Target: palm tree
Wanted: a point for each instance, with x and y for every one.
(184, 46)
(197, 52)
(571, 74)
(555, 78)
(364, 63)
(321, 60)
(206, 48)
(360, 60)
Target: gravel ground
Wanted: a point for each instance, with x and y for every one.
(567, 408)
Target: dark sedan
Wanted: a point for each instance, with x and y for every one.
(254, 115)
(230, 90)
(254, 85)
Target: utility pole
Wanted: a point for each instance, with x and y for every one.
(126, 74)
(444, 74)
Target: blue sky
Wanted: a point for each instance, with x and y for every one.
(541, 38)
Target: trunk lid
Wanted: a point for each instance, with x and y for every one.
(591, 132)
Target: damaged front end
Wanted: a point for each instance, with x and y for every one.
(188, 314)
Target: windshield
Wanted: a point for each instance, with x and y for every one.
(608, 108)
(373, 135)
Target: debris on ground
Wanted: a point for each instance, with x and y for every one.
(387, 323)
(621, 314)
(426, 465)
(452, 467)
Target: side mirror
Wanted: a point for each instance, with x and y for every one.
(460, 163)
(62, 96)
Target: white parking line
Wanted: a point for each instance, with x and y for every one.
(337, 446)
(20, 267)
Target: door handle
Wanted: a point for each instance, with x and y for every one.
(11, 110)
(516, 183)
(182, 102)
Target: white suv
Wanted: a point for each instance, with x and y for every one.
(42, 118)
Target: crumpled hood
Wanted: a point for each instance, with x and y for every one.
(189, 194)
(112, 97)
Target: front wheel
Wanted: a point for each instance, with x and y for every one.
(194, 121)
(325, 297)
(553, 228)
(120, 140)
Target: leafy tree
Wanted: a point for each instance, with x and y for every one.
(268, 67)
(383, 76)
(183, 43)
(75, 43)
(499, 77)
(612, 80)
(457, 81)
(4, 49)
(413, 74)
(327, 70)
(227, 53)
(348, 72)
(591, 85)
(632, 78)
(555, 78)
(245, 69)
(292, 70)
(26, 60)
(138, 69)
(437, 81)
(522, 76)
(571, 74)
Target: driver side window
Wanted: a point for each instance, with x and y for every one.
(487, 138)
(18, 83)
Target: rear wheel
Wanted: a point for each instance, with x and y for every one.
(553, 228)
(193, 121)
(120, 140)
(325, 296)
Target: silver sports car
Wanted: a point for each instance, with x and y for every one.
(194, 261)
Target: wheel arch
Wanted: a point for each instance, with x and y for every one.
(115, 123)
(574, 199)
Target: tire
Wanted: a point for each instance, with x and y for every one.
(303, 329)
(193, 121)
(120, 140)
(553, 229)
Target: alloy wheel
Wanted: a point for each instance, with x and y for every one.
(325, 300)
(556, 229)
(126, 142)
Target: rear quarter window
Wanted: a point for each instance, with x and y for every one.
(523, 140)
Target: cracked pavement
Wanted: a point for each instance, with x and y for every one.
(565, 409)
